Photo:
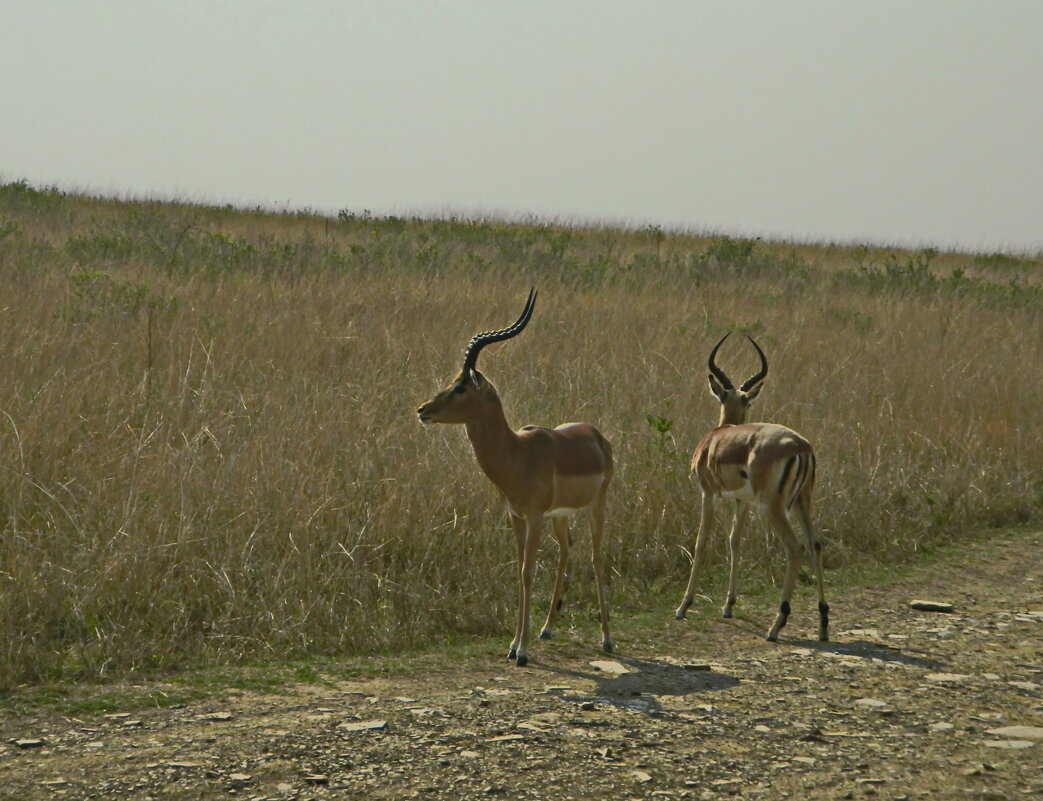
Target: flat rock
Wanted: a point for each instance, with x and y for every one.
(610, 666)
(943, 726)
(364, 725)
(870, 703)
(947, 677)
(1034, 733)
(932, 606)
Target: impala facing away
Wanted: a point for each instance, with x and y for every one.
(767, 465)
(541, 472)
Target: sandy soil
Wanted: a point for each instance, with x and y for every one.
(902, 704)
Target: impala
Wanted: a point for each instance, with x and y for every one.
(765, 465)
(541, 473)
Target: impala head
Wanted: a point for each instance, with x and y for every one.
(735, 403)
(470, 393)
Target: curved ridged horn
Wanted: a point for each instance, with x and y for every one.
(756, 378)
(717, 371)
(479, 341)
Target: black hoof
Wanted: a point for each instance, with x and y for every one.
(523, 661)
(512, 654)
(607, 646)
(772, 638)
(545, 634)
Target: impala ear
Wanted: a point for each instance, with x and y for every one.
(476, 378)
(715, 387)
(753, 392)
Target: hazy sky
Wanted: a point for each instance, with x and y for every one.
(919, 122)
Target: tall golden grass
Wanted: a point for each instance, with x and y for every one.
(209, 449)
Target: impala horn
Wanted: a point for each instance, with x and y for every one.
(717, 371)
(479, 341)
(756, 378)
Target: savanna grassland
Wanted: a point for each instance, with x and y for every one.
(209, 450)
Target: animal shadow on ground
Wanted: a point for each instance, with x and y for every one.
(861, 649)
(644, 680)
(867, 649)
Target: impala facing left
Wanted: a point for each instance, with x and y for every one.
(541, 472)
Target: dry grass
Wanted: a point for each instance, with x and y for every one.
(209, 452)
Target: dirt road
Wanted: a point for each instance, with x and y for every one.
(902, 704)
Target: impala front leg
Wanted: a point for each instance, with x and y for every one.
(518, 524)
(532, 546)
(705, 525)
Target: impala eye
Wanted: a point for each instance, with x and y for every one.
(458, 388)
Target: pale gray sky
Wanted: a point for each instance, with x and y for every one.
(917, 122)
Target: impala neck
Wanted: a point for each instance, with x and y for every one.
(733, 410)
(493, 441)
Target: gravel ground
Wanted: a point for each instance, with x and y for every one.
(902, 704)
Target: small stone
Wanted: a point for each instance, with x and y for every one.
(470, 754)
(642, 777)
(59, 782)
(931, 606)
(240, 778)
(1014, 745)
(219, 717)
(317, 779)
(29, 743)
(185, 765)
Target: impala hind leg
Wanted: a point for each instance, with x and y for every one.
(699, 552)
(597, 536)
(561, 534)
(794, 551)
(815, 550)
(742, 513)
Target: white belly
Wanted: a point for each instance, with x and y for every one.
(564, 511)
(744, 493)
